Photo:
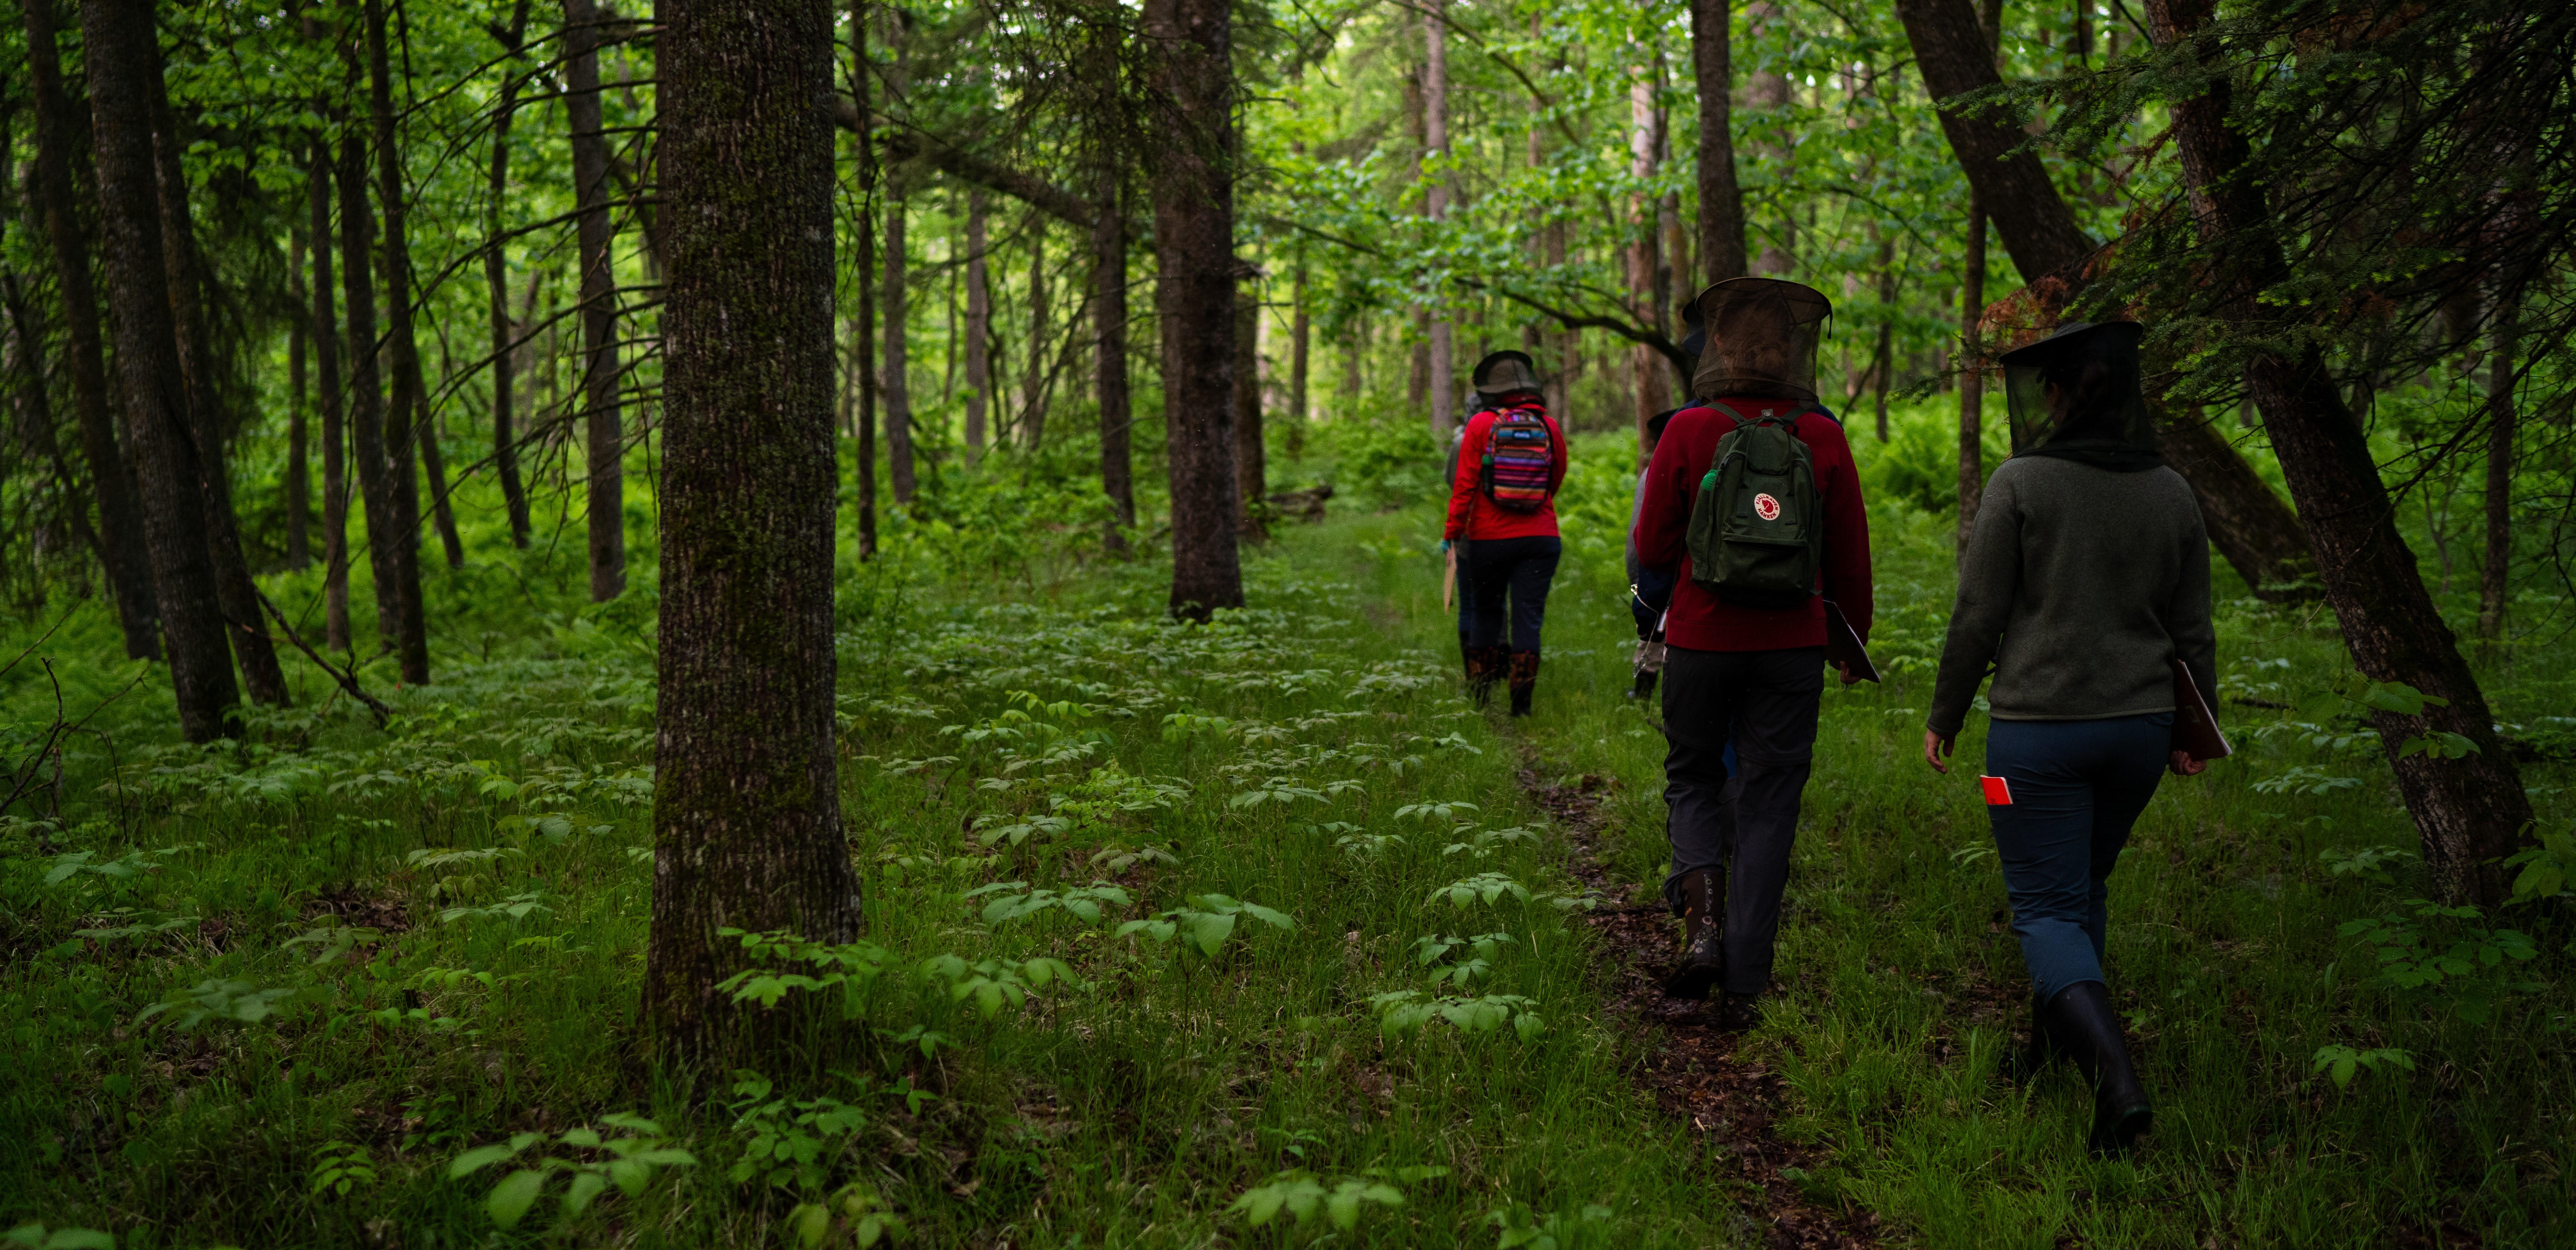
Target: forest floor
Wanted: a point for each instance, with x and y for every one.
(1243, 934)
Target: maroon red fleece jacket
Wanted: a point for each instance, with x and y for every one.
(1699, 622)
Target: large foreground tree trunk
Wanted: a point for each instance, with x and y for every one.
(603, 431)
(122, 53)
(1721, 199)
(2257, 534)
(2470, 812)
(120, 519)
(245, 624)
(1192, 43)
(746, 809)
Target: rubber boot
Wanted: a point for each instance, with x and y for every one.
(1484, 666)
(1703, 934)
(1524, 681)
(1738, 1012)
(2088, 1030)
(2025, 1065)
(1645, 685)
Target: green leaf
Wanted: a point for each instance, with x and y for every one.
(511, 1198)
(585, 1187)
(481, 1157)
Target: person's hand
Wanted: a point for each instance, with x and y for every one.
(2183, 765)
(1936, 745)
(1849, 678)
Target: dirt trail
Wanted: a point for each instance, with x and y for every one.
(1695, 1074)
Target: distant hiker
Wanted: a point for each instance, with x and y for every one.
(2087, 575)
(1649, 592)
(1502, 519)
(1753, 505)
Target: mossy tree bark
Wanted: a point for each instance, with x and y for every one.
(121, 50)
(746, 814)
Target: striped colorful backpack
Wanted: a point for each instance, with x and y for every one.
(1520, 458)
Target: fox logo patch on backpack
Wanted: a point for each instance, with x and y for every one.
(1520, 459)
(1757, 536)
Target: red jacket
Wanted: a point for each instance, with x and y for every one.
(1472, 516)
(1699, 622)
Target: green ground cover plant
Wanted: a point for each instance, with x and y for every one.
(1234, 934)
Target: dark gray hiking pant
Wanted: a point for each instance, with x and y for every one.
(1765, 702)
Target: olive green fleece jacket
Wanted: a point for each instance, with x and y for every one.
(2081, 585)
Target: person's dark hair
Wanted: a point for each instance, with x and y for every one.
(1656, 423)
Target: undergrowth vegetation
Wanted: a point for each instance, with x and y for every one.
(1226, 934)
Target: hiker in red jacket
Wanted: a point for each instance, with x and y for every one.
(1502, 518)
(1743, 663)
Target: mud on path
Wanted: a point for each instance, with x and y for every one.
(1695, 1073)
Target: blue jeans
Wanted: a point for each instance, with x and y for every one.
(2077, 786)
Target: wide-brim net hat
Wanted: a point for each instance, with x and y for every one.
(1762, 337)
(2079, 389)
(1505, 373)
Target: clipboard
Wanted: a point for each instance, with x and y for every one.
(1842, 645)
(2195, 727)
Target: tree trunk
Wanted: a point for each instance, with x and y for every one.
(496, 279)
(866, 330)
(112, 481)
(1971, 374)
(1194, 293)
(299, 471)
(2258, 534)
(1882, 360)
(746, 806)
(898, 383)
(1109, 357)
(326, 376)
(1956, 57)
(370, 462)
(1033, 372)
(1769, 96)
(2470, 812)
(1251, 461)
(603, 430)
(1721, 200)
(2502, 419)
(979, 326)
(1435, 130)
(402, 358)
(1645, 364)
(122, 53)
(246, 624)
(1301, 332)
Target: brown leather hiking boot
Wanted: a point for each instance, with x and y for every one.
(1524, 681)
(1485, 666)
(1704, 934)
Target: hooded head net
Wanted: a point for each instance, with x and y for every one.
(1505, 373)
(2075, 395)
(1761, 339)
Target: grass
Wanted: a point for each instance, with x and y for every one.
(322, 965)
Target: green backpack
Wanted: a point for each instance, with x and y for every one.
(1757, 533)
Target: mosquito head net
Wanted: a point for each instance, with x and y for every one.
(2075, 395)
(1505, 373)
(1761, 339)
